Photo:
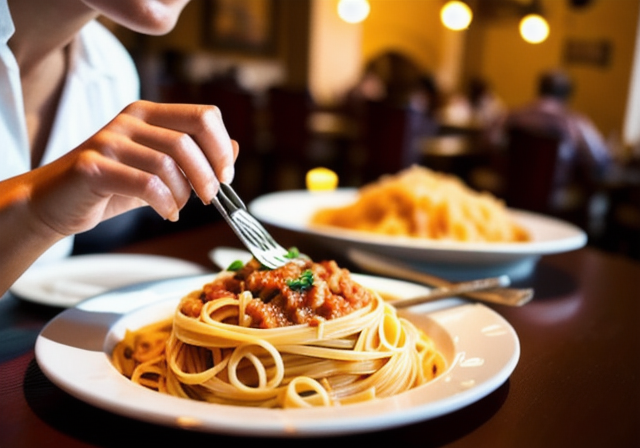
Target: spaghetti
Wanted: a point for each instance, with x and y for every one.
(305, 334)
(422, 203)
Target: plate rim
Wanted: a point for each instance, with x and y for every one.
(23, 287)
(577, 240)
(281, 423)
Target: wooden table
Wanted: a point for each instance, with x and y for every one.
(577, 383)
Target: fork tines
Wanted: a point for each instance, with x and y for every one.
(252, 234)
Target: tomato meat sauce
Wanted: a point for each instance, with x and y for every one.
(300, 292)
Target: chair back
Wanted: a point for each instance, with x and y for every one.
(387, 139)
(531, 169)
(288, 115)
(287, 155)
(238, 110)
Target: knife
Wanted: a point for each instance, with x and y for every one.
(383, 266)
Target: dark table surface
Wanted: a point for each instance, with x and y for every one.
(577, 383)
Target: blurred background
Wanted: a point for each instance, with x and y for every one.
(368, 87)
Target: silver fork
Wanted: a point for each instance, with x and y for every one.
(383, 266)
(252, 234)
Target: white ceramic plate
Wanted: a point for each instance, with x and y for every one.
(292, 210)
(481, 347)
(66, 282)
(223, 256)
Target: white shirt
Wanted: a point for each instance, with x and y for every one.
(102, 80)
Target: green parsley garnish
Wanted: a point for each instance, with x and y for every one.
(302, 283)
(235, 266)
(293, 253)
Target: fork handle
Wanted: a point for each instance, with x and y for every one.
(231, 194)
(499, 295)
(221, 203)
(456, 289)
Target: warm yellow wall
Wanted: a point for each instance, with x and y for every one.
(495, 50)
(604, 92)
(332, 73)
(410, 26)
(512, 65)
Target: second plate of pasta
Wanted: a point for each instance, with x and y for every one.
(456, 259)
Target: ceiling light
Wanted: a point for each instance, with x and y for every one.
(456, 15)
(534, 28)
(353, 11)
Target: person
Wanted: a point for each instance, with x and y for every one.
(391, 77)
(425, 96)
(369, 87)
(79, 147)
(479, 107)
(584, 155)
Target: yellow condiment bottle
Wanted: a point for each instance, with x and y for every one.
(321, 179)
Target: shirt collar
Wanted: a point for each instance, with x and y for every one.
(6, 22)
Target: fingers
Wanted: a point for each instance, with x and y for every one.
(108, 178)
(156, 153)
(201, 125)
(85, 187)
(236, 151)
(150, 153)
(170, 154)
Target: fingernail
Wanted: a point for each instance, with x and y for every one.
(227, 174)
(208, 194)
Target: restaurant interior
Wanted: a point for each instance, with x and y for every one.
(290, 78)
(365, 88)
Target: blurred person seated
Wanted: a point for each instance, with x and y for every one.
(370, 87)
(392, 78)
(395, 80)
(583, 155)
(479, 108)
(423, 102)
(425, 96)
(393, 102)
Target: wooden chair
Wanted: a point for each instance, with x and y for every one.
(530, 170)
(287, 157)
(238, 111)
(387, 137)
(621, 232)
(240, 117)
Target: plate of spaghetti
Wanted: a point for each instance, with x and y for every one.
(429, 219)
(308, 349)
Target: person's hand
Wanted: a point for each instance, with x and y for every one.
(150, 153)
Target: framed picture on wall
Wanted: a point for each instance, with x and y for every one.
(243, 26)
(597, 53)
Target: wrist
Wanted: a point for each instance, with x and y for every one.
(23, 235)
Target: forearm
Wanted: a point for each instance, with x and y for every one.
(23, 237)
